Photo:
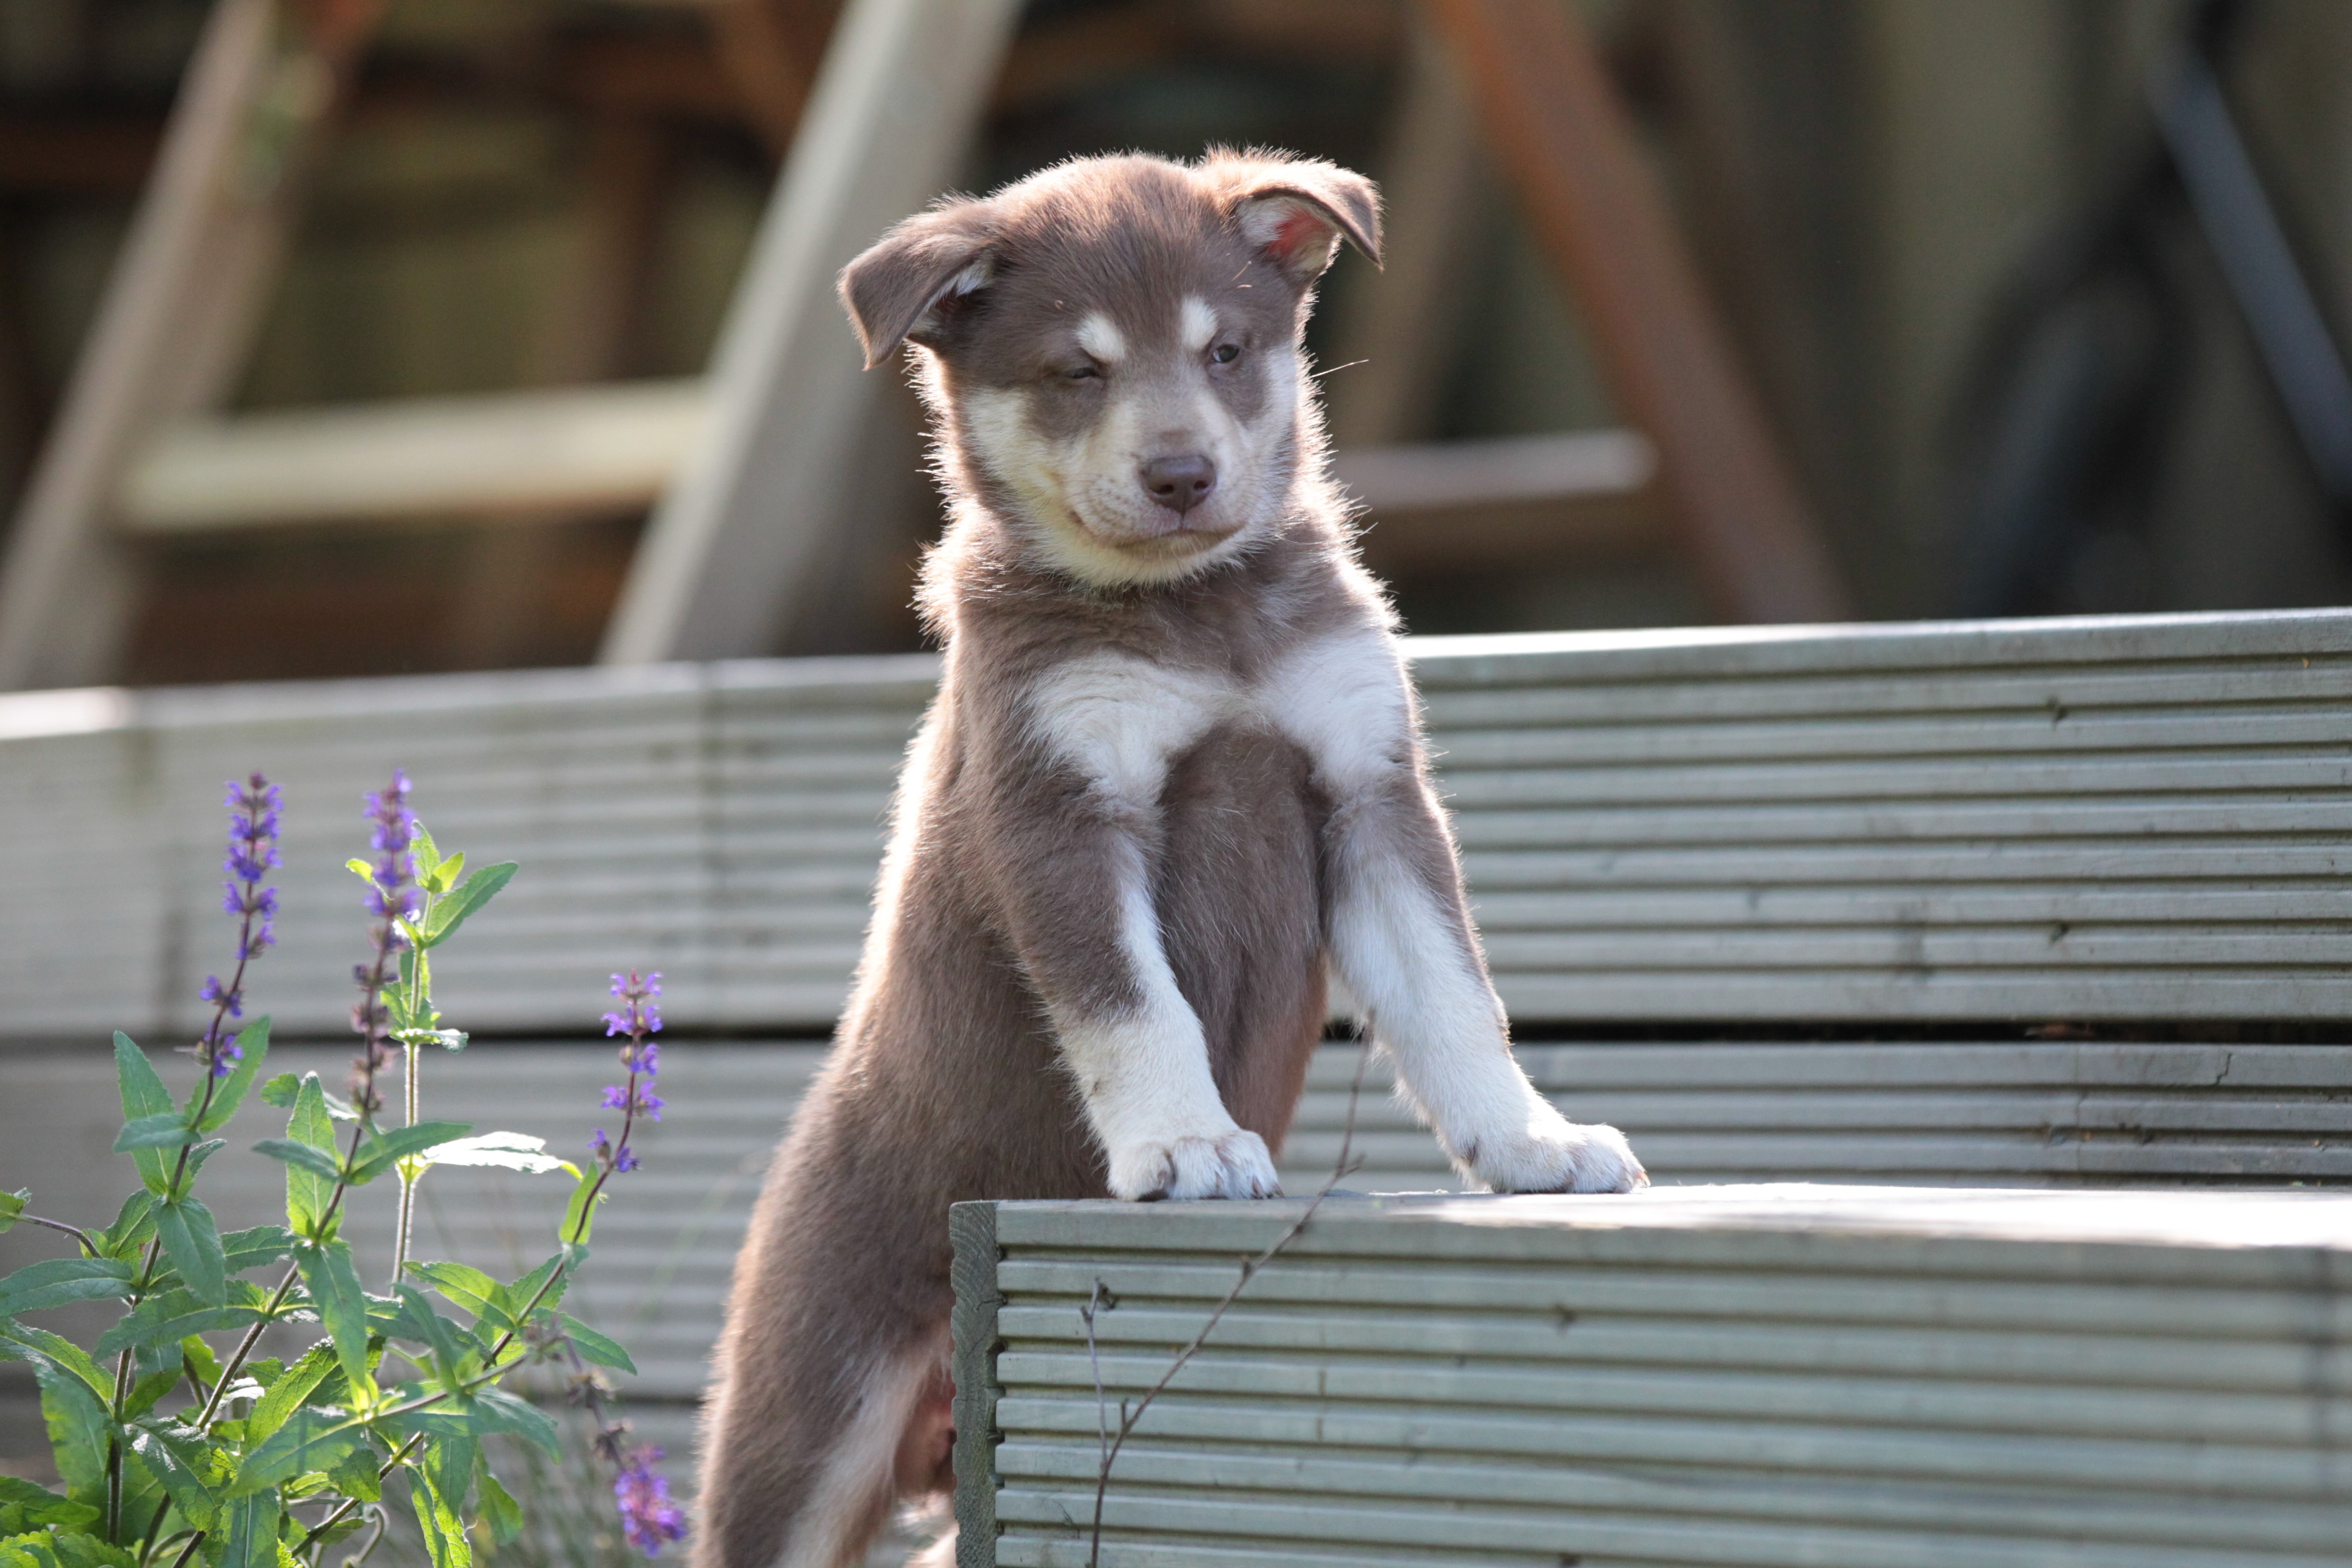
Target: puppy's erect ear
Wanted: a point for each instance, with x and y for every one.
(900, 286)
(1299, 209)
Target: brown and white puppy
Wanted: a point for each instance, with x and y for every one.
(1173, 772)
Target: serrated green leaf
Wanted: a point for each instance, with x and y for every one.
(62, 1549)
(195, 1157)
(164, 1129)
(289, 1390)
(24, 1506)
(248, 1526)
(498, 1508)
(436, 1492)
(468, 1288)
(191, 1242)
(319, 1163)
(469, 895)
(356, 1474)
(445, 876)
(595, 1347)
(496, 1410)
(256, 1245)
(424, 855)
(143, 1095)
(455, 1355)
(40, 1286)
(334, 1285)
(151, 1387)
(378, 1154)
(308, 1439)
(78, 1428)
(253, 1044)
(12, 1206)
(180, 1458)
(309, 1189)
(281, 1090)
(22, 1342)
(524, 1293)
(170, 1317)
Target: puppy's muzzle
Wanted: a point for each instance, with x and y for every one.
(1180, 482)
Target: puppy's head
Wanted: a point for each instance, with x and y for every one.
(1112, 346)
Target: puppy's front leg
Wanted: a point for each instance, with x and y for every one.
(1075, 812)
(1136, 1049)
(1400, 937)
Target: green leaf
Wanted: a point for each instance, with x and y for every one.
(505, 1150)
(309, 1189)
(191, 1242)
(23, 1506)
(62, 1549)
(496, 1410)
(256, 1245)
(595, 1347)
(288, 1390)
(311, 1439)
(151, 1387)
(470, 895)
(253, 1043)
(319, 1163)
(281, 1090)
(378, 1154)
(165, 1129)
(468, 1287)
(249, 1525)
(362, 870)
(180, 1458)
(455, 1356)
(579, 1216)
(40, 1286)
(436, 1492)
(170, 1317)
(131, 1227)
(22, 1342)
(143, 1095)
(12, 1206)
(78, 1430)
(334, 1285)
(195, 1158)
(355, 1474)
(445, 876)
(424, 855)
(498, 1508)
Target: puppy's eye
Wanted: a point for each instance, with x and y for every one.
(1226, 354)
(1082, 373)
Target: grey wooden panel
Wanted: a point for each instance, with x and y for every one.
(1772, 1376)
(2125, 818)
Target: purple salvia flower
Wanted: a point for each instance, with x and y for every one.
(638, 1017)
(392, 897)
(255, 806)
(648, 1516)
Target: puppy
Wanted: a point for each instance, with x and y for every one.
(1173, 772)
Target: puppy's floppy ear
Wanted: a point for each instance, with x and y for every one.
(899, 288)
(1297, 209)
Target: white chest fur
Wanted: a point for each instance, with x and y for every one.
(1120, 720)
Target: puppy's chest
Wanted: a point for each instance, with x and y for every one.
(1122, 722)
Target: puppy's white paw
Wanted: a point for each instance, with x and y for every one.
(1553, 1154)
(1233, 1165)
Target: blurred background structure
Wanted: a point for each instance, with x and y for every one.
(1991, 356)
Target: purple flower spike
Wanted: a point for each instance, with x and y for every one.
(638, 1017)
(255, 806)
(648, 1516)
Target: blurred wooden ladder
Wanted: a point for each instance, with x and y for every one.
(139, 453)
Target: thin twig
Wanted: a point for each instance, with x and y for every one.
(80, 1236)
(1129, 1415)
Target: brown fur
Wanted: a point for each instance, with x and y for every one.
(1000, 908)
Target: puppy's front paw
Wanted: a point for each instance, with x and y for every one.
(1232, 1164)
(1555, 1155)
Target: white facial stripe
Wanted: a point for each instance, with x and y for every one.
(1099, 338)
(1196, 324)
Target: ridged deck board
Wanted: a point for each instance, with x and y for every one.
(2126, 818)
(1771, 1376)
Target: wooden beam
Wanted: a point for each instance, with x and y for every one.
(1561, 134)
(528, 454)
(736, 536)
(180, 310)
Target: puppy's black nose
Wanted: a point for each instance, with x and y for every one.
(1182, 482)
